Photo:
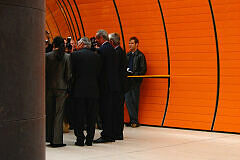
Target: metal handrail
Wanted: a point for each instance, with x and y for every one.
(150, 76)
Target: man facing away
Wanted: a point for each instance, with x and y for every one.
(136, 66)
(58, 74)
(86, 67)
(114, 40)
(109, 86)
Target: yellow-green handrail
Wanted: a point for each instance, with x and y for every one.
(150, 76)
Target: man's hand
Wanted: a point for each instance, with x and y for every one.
(129, 71)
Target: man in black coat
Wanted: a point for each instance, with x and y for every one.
(136, 66)
(86, 66)
(114, 40)
(109, 86)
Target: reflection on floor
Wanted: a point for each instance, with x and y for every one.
(150, 143)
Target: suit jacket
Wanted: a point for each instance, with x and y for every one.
(122, 69)
(86, 67)
(110, 78)
(58, 72)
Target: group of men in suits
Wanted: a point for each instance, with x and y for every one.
(98, 84)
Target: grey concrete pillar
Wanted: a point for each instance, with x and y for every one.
(22, 126)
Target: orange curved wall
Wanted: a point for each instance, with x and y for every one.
(202, 40)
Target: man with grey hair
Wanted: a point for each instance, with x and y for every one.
(84, 43)
(101, 37)
(114, 40)
(109, 86)
(86, 67)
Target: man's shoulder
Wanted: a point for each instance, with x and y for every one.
(84, 51)
(119, 48)
(139, 52)
(129, 53)
(106, 45)
(67, 55)
(106, 48)
(49, 53)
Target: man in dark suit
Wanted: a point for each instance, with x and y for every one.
(109, 86)
(58, 74)
(86, 66)
(114, 40)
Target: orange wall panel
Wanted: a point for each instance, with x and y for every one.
(143, 19)
(57, 14)
(227, 22)
(199, 42)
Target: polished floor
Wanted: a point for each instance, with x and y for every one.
(151, 143)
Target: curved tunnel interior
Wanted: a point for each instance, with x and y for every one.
(195, 42)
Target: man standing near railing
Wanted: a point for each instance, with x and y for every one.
(136, 66)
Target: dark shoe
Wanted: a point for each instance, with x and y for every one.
(71, 127)
(57, 145)
(119, 138)
(103, 140)
(134, 125)
(88, 143)
(79, 143)
(128, 124)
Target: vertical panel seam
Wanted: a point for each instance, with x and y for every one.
(120, 24)
(64, 15)
(73, 27)
(74, 18)
(54, 20)
(218, 65)
(168, 55)
(79, 15)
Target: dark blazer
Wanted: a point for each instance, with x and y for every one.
(58, 72)
(139, 65)
(122, 69)
(86, 67)
(110, 78)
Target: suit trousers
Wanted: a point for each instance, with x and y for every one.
(54, 115)
(85, 112)
(107, 112)
(132, 103)
(119, 116)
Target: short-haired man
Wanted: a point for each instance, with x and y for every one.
(136, 66)
(58, 74)
(109, 86)
(86, 67)
(114, 40)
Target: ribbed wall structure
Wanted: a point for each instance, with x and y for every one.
(196, 42)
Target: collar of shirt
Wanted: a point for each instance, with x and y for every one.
(104, 42)
(133, 53)
(116, 47)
